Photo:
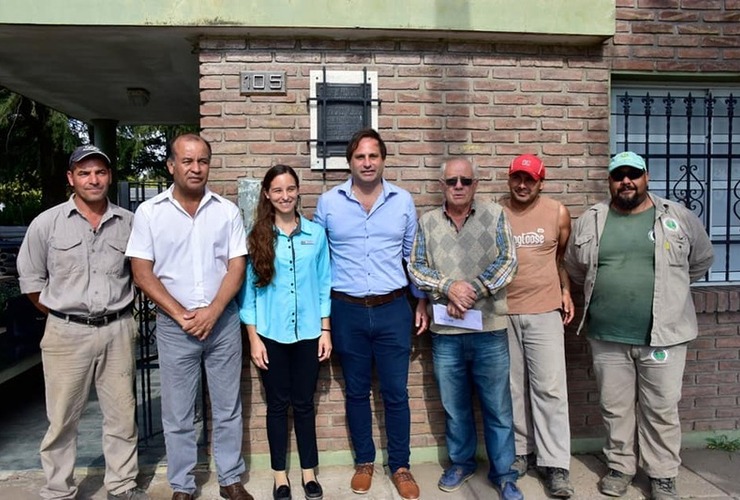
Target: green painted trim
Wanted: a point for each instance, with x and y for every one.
(554, 17)
(438, 454)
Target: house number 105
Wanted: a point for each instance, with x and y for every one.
(262, 82)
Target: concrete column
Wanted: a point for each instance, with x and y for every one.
(104, 137)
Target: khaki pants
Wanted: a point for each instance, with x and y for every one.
(640, 387)
(74, 356)
(539, 390)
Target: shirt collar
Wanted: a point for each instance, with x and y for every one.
(469, 214)
(388, 188)
(111, 210)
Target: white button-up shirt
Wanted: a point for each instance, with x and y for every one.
(190, 254)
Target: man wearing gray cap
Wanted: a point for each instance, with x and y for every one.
(72, 267)
(635, 256)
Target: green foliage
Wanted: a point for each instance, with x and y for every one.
(724, 443)
(8, 289)
(19, 204)
(142, 150)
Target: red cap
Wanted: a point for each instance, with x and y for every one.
(529, 164)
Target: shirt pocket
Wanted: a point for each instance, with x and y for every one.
(114, 255)
(676, 249)
(583, 243)
(66, 254)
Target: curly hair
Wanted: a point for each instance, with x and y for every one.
(261, 240)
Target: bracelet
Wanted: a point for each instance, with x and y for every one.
(325, 330)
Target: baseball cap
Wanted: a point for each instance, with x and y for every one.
(86, 151)
(627, 159)
(529, 164)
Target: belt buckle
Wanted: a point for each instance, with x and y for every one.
(366, 300)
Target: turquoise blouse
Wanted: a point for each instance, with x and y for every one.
(290, 308)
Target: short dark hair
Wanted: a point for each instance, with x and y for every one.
(365, 133)
(188, 137)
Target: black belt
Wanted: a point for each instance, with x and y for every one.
(369, 300)
(92, 320)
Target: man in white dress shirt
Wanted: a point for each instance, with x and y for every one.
(187, 252)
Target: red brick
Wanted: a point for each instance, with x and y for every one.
(639, 27)
(701, 4)
(658, 4)
(678, 16)
(654, 52)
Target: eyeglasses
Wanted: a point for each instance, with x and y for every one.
(631, 174)
(465, 181)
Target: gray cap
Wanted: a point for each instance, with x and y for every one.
(85, 151)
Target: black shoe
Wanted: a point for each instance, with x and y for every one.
(313, 490)
(281, 492)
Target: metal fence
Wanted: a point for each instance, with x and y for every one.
(691, 142)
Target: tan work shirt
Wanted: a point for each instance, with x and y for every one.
(78, 270)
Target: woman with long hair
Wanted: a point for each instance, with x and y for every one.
(285, 305)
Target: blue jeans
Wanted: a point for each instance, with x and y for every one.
(382, 334)
(179, 356)
(481, 361)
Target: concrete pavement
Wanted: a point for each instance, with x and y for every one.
(705, 474)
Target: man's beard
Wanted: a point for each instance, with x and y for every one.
(627, 204)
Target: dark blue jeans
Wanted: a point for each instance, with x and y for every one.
(382, 335)
(481, 361)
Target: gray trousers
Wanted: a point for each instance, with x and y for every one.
(640, 387)
(539, 389)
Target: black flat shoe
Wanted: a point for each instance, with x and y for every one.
(313, 490)
(281, 492)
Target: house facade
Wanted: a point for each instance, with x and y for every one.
(571, 81)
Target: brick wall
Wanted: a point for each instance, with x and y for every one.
(688, 36)
(491, 102)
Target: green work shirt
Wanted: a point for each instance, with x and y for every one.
(621, 304)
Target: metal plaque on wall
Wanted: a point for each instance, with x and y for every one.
(262, 82)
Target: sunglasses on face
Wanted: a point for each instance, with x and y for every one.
(465, 181)
(631, 174)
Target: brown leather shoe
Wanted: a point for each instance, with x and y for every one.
(405, 484)
(181, 495)
(234, 491)
(363, 478)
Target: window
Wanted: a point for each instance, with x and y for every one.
(340, 103)
(690, 138)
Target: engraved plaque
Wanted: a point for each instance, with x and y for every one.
(343, 109)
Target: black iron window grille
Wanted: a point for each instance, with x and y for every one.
(690, 139)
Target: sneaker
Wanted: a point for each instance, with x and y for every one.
(132, 494)
(663, 488)
(510, 491)
(615, 483)
(557, 481)
(405, 484)
(453, 478)
(522, 463)
(363, 478)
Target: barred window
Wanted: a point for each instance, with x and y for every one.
(690, 138)
(340, 104)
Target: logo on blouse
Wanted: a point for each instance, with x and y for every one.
(306, 242)
(671, 224)
(659, 355)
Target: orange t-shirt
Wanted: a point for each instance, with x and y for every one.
(536, 286)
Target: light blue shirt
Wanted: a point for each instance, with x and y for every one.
(291, 306)
(368, 249)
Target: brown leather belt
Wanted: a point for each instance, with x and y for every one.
(370, 300)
